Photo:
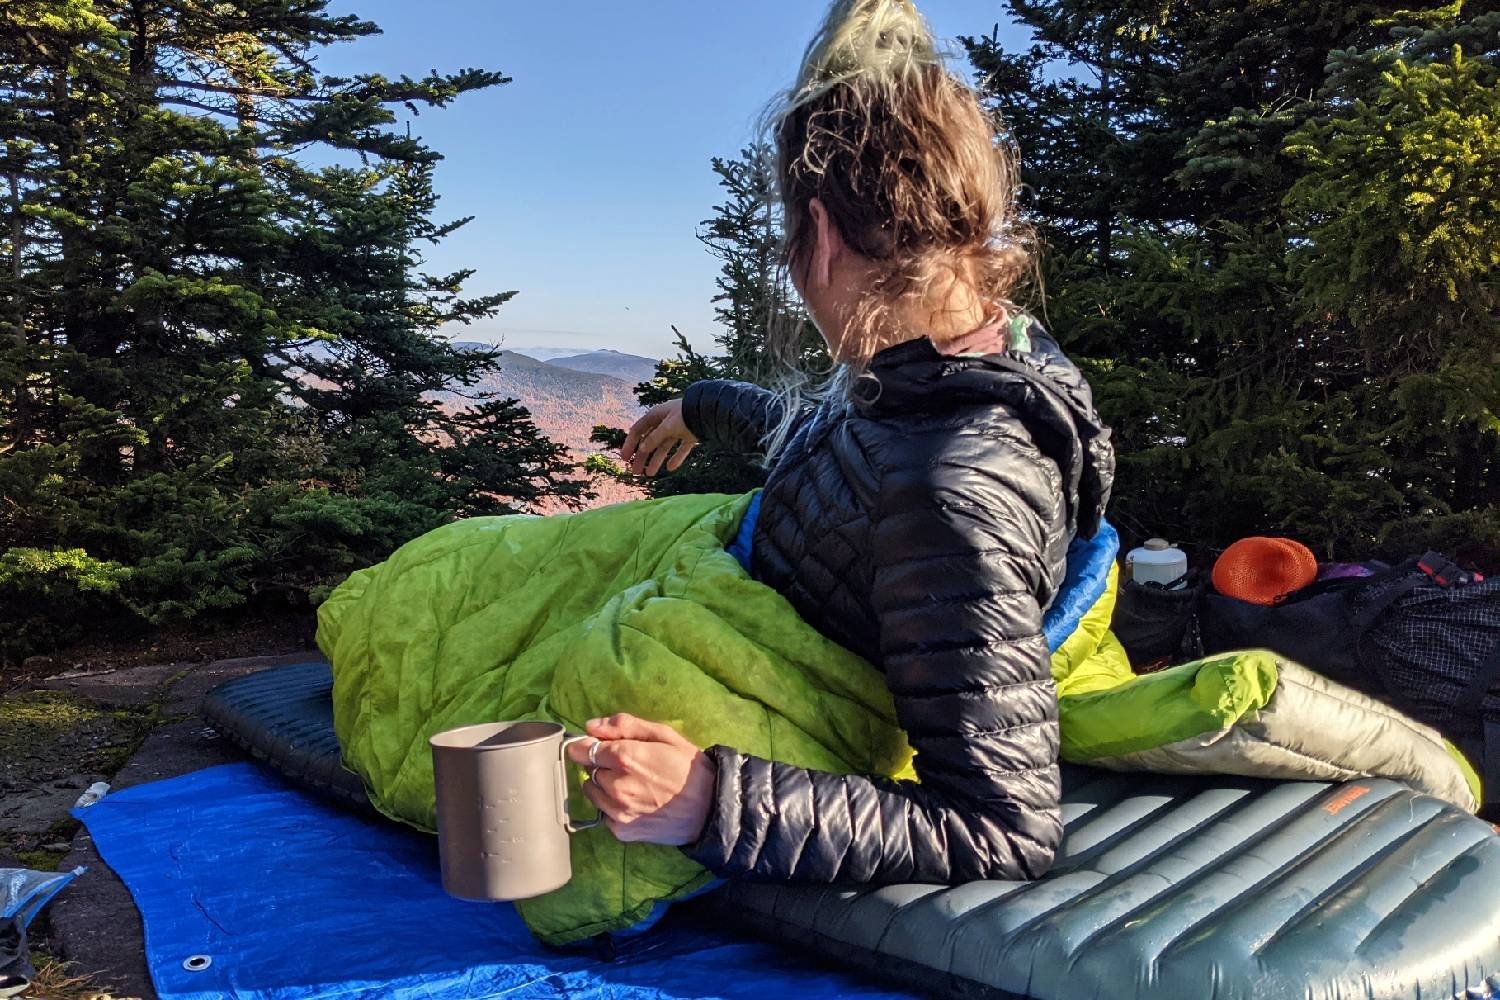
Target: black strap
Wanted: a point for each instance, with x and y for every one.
(1471, 699)
(1489, 764)
(1366, 616)
(1444, 571)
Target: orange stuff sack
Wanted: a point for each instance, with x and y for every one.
(1264, 570)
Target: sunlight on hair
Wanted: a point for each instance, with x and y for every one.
(865, 38)
(903, 156)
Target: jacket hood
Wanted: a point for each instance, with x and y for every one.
(1045, 390)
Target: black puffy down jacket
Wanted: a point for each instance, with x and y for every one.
(923, 524)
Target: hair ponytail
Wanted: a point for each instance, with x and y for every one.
(864, 39)
(906, 161)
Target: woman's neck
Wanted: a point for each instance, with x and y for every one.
(970, 325)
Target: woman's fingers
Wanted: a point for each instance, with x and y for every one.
(660, 458)
(617, 795)
(649, 782)
(617, 791)
(602, 790)
(640, 429)
(653, 447)
(650, 443)
(611, 755)
(624, 726)
(609, 789)
(578, 752)
(652, 465)
(684, 449)
(606, 803)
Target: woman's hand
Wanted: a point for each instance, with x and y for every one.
(649, 783)
(653, 437)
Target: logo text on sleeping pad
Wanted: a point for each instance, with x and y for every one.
(1342, 799)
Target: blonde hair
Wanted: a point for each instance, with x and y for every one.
(903, 156)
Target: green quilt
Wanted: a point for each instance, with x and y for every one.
(633, 608)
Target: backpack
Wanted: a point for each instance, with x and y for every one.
(1156, 624)
(1424, 637)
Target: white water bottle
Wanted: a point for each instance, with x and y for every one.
(1157, 562)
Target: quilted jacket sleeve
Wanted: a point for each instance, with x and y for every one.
(736, 415)
(959, 583)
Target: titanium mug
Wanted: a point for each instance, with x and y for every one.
(502, 809)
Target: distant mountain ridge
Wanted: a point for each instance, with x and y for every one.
(629, 368)
(547, 353)
(565, 403)
(567, 397)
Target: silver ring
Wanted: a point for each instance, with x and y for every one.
(594, 755)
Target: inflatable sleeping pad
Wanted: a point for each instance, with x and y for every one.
(1166, 887)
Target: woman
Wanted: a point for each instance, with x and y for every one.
(919, 514)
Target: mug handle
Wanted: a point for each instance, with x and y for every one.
(562, 784)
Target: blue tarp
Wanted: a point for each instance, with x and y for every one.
(23, 893)
(291, 898)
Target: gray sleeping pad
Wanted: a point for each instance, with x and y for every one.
(1176, 888)
(1167, 887)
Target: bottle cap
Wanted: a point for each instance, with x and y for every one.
(1157, 545)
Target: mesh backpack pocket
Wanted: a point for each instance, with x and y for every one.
(1424, 637)
(1433, 640)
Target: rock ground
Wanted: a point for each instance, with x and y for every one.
(61, 733)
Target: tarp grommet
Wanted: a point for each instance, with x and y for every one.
(197, 963)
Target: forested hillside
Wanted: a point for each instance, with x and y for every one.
(1274, 231)
(566, 405)
(188, 204)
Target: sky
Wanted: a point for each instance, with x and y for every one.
(589, 174)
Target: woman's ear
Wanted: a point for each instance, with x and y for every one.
(828, 244)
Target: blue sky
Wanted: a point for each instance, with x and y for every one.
(588, 175)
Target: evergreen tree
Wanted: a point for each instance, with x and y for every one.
(1271, 234)
(745, 235)
(754, 297)
(218, 359)
(711, 468)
